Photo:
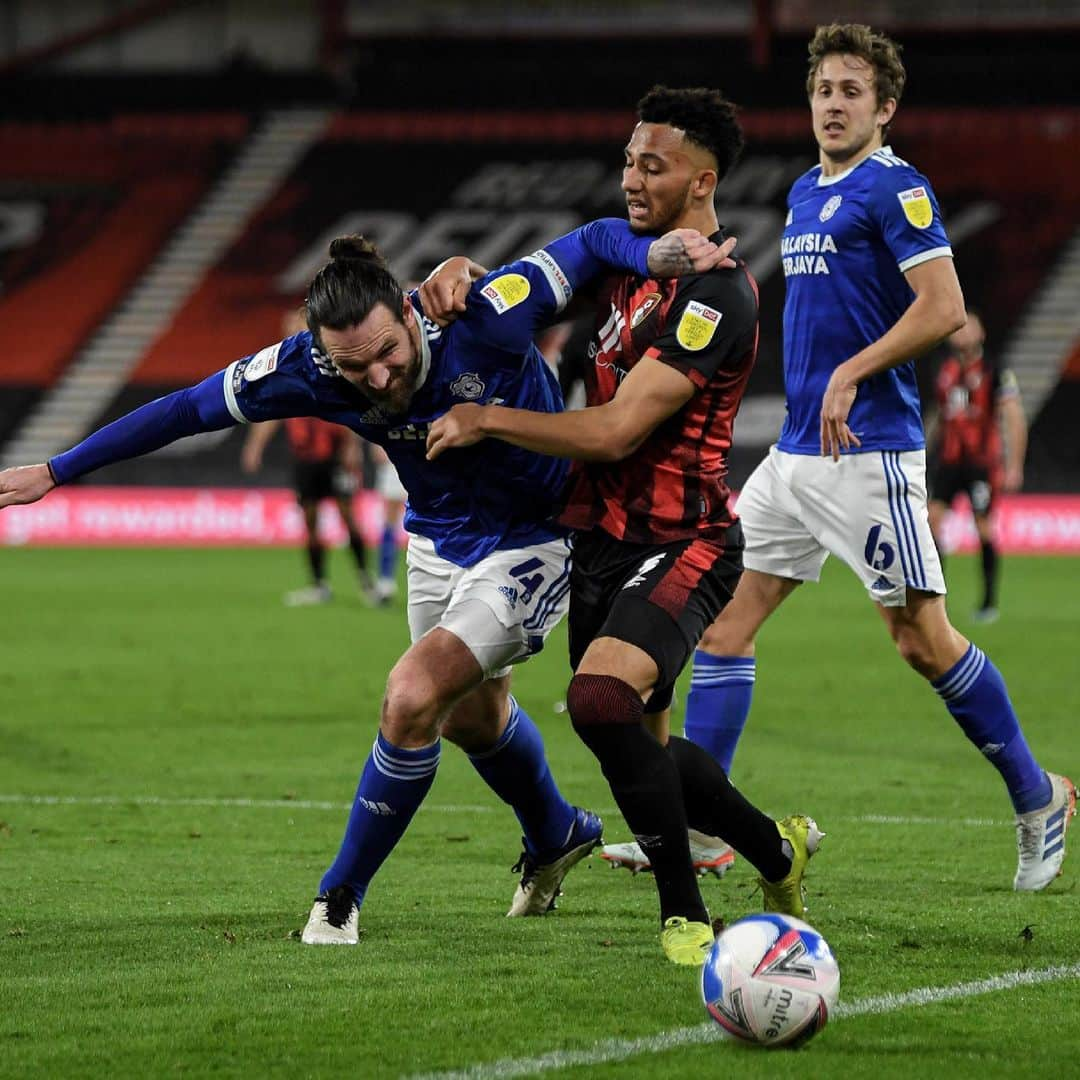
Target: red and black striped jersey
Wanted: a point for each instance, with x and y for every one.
(313, 440)
(967, 400)
(672, 487)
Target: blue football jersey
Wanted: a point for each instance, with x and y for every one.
(847, 243)
(471, 501)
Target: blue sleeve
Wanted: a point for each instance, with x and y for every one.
(509, 305)
(903, 205)
(187, 412)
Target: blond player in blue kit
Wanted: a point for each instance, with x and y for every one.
(871, 286)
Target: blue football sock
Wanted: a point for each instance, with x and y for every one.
(718, 703)
(388, 552)
(516, 769)
(392, 787)
(974, 692)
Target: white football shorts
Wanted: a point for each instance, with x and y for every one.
(503, 608)
(388, 484)
(868, 509)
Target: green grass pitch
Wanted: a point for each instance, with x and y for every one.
(203, 742)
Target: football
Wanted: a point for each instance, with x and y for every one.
(771, 980)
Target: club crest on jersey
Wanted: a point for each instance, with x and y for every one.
(697, 326)
(468, 385)
(506, 291)
(644, 309)
(830, 208)
(262, 363)
(917, 208)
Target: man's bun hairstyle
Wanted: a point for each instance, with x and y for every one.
(345, 290)
(356, 247)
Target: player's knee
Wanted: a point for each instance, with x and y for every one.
(475, 723)
(601, 700)
(410, 712)
(917, 652)
(726, 638)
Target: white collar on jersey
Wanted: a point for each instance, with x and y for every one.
(825, 181)
(427, 327)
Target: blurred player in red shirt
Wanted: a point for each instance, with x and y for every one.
(327, 465)
(976, 403)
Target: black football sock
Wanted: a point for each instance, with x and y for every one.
(714, 806)
(316, 555)
(359, 550)
(989, 574)
(606, 713)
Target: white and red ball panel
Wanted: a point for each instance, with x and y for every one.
(770, 979)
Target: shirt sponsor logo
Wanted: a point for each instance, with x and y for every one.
(697, 326)
(804, 253)
(644, 309)
(262, 363)
(468, 386)
(506, 291)
(916, 204)
(830, 208)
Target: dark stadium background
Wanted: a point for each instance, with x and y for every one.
(483, 128)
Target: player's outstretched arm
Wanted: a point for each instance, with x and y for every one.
(25, 484)
(187, 412)
(600, 246)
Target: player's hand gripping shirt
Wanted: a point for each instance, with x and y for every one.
(672, 487)
(477, 500)
(846, 246)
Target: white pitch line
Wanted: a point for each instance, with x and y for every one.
(617, 1050)
(257, 804)
(317, 804)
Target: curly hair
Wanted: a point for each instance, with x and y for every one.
(706, 117)
(855, 39)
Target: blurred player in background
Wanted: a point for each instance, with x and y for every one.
(977, 402)
(488, 566)
(327, 465)
(393, 495)
(656, 546)
(870, 287)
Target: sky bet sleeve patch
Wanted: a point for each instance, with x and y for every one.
(697, 326)
(506, 291)
(917, 208)
(262, 363)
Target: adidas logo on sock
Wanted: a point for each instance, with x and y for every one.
(379, 808)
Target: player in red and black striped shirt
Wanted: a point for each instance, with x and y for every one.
(657, 549)
(975, 401)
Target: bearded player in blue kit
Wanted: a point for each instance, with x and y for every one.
(870, 287)
(488, 570)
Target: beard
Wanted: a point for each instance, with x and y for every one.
(663, 217)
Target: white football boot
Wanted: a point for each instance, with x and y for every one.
(542, 876)
(308, 596)
(709, 854)
(1040, 837)
(334, 919)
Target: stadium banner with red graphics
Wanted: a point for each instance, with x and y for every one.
(242, 517)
